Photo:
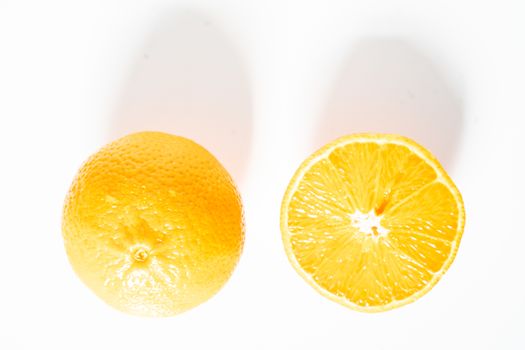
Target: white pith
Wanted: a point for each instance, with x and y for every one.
(368, 223)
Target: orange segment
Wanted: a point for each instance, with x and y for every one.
(372, 221)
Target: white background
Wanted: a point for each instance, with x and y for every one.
(262, 84)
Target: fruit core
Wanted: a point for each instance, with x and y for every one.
(368, 223)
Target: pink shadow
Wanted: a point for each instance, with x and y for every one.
(188, 80)
(389, 86)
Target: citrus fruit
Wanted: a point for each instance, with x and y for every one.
(153, 224)
(372, 221)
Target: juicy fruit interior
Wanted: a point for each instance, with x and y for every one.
(153, 224)
(372, 223)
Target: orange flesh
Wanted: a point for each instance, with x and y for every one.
(372, 224)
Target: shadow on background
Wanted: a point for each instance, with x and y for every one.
(188, 80)
(389, 86)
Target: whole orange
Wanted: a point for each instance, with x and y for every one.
(153, 224)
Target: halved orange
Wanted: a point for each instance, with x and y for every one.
(372, 221)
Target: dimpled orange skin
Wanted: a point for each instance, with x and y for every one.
(153, 224)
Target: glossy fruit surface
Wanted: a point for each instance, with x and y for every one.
(153, 224)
